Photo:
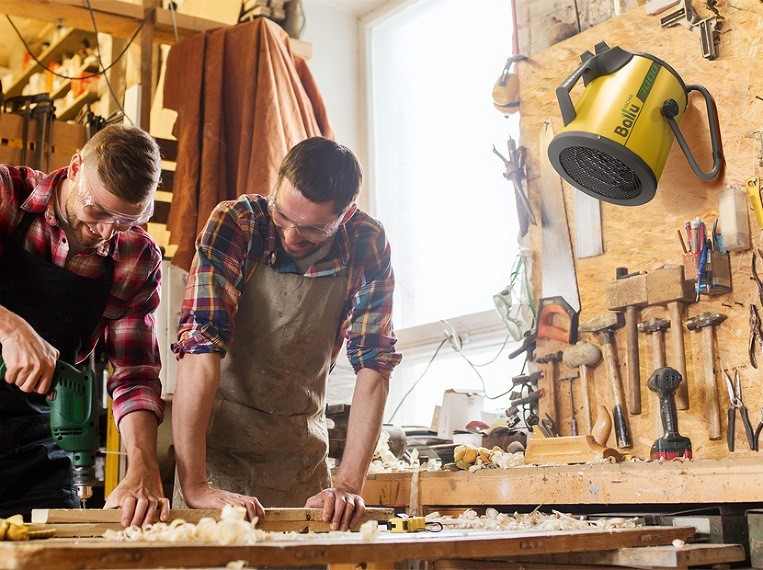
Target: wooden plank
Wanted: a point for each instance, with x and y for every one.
(167, 180)
(68, 554)
(652, 556)
(168, 149)
(53, 516)
(671, 482)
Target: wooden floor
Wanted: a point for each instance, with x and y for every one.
(64, 554)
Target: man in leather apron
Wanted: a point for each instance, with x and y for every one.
(276, 286)
(74, 264)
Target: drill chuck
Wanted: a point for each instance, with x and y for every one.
(84, 480)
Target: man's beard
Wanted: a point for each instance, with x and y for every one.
(310, 248)
(78, 232)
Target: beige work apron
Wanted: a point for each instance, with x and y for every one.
(267, 437)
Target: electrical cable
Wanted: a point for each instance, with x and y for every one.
(460, 350)
(46, 68)
(100, 63)
(431, 360)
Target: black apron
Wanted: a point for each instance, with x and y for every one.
(64, 309)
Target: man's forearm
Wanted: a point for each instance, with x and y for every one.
(363, 429)
(197, 382)
(138, 430)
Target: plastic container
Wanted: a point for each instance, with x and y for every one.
(732, 218)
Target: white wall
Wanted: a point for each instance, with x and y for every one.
(334, 35)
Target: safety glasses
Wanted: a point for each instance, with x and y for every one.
(98, 214)
(314, 234)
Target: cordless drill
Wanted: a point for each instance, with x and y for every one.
(665, 382)
(74, 421)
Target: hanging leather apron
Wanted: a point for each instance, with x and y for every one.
(267, 437)
(64, 309)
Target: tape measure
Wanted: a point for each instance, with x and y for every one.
(412, 524)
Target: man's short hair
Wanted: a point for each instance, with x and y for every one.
(323, 171)
(128, 161)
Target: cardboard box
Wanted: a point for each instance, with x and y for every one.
(459, 407)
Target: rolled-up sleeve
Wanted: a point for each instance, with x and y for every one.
(207, 321)
(370, 337)
(132, 348)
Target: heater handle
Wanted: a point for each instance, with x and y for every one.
(563, 93)
(670, 110)
(606, 61)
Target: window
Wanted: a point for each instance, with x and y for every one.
(438, 188)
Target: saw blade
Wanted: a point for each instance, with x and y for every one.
(557, 264)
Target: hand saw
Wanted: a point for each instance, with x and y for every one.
(559, 286)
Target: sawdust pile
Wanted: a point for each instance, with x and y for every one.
(232, 528)
(493, 520)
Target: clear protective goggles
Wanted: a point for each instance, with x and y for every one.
(98, 214)
(314, 234)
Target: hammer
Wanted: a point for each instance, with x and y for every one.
(706, 322)
(573, 422)
(604, 326)
(656, 328)
(628, 293)
(583, 355)
(553, 359)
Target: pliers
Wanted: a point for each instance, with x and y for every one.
(758, 430)
(735, 403)
(756, 335)
(755, 276)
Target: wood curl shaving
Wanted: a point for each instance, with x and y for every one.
(232, 528)
(493, 520)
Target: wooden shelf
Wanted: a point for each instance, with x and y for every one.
(69, 43)
(69, 112)
(67, 83)
(121, 19)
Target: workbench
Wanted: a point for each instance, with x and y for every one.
(345, 552)
(705, 481)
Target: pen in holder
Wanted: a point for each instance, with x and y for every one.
(716, 271)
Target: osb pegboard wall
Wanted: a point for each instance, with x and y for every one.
(644, 237)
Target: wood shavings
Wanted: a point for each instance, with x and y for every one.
(493, 520)
(384, 460)
(235, 565)
(678, 543)
(232, 528)
(369, 530)
(468, 457)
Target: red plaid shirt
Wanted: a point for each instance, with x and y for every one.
(128, 320)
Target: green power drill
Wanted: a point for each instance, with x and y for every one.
(74, 421)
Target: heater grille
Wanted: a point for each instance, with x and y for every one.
(600, 173)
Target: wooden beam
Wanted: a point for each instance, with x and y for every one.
(146, 69)
(670, 482)
(52, 516)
